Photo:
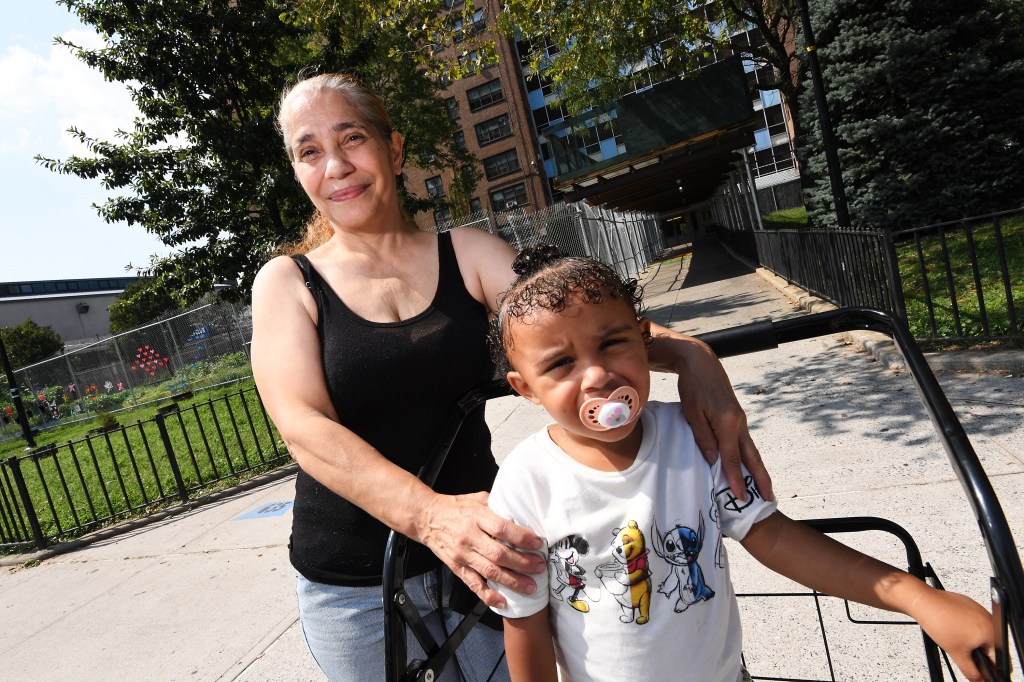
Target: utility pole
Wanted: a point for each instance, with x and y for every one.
(26, 430)
(835, 176)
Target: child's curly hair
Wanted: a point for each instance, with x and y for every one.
(548, 279)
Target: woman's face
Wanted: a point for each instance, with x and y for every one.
(346, 166)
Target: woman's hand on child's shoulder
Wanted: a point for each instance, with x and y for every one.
(480, 546)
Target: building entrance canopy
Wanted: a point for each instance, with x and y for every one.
(680, 139)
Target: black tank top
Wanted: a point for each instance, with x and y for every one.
(394, 384)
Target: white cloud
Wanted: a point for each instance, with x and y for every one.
(45, 93)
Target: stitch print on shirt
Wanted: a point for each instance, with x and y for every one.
(680, 547)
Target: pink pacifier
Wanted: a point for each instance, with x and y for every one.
(618, 409)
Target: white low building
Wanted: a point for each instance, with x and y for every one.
(77, 309)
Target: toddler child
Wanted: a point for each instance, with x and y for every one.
(638, 585)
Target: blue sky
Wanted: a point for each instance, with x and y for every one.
(48, 228)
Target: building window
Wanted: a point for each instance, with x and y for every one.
(470, 62)
(466, 176)
(509, 197)
(453, 108)
(485, 95)
(775, 119)
(474, 205)
(502, 164)
(589, 140)
(442, 217)
(460, 140)
(492, 130)
(434, 187)
(542, 83)
(461, 31)
(548, 115)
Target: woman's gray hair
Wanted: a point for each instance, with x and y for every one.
(356, 93)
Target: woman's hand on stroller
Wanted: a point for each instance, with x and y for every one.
(480, 546)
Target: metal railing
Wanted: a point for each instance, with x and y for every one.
(964, 279)
(846, 267)
(955, 282)
(626, 241)
(59, 492)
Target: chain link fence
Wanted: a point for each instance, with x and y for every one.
(201, 347)
(626, 241)
(208, 345)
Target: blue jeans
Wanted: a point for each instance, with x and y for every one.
(344, 629)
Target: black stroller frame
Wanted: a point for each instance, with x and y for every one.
(1006, 582)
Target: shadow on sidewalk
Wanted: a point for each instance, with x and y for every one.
(711, 263)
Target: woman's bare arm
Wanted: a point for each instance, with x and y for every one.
(460, 530)
(709, 404)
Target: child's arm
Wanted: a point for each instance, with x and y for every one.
(955, 622)
(529, 648)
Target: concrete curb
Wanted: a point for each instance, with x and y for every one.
(134, 524)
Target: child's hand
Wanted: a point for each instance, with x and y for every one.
(958, 625)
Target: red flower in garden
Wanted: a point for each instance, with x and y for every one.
(148, 360)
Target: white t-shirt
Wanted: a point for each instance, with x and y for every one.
(638, 579)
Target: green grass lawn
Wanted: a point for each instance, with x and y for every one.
(960, 286)
(790, 218)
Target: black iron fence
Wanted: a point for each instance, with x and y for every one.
(964, 279)
(847, 267)
(59, 492)
(955, 282)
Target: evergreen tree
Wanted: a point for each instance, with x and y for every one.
(203, 167)
(926, 101)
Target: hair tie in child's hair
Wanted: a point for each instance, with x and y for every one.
(533, 258)
(618, 409)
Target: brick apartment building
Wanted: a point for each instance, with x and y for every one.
(506, 115)
(497, 129)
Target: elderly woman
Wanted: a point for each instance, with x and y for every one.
(363, 340)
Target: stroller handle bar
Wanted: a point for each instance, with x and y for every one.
(1007, 582)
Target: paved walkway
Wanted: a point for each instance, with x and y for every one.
(208, 595)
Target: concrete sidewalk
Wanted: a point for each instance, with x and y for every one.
(209, 594)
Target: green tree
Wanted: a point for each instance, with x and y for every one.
(140, 303)
(925, 99)
(203, 167)
(603, 42)
(29, 342)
